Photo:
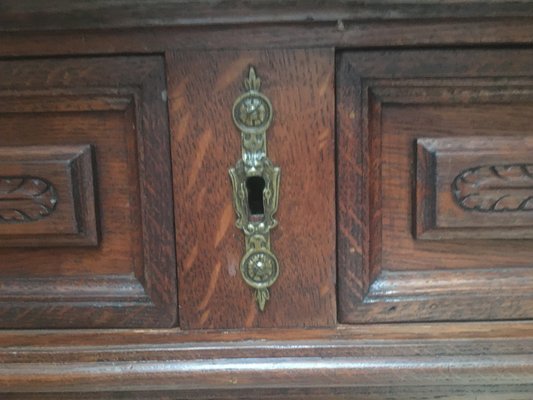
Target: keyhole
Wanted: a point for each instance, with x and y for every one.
(255, 186)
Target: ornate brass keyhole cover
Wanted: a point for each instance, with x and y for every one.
(252, 114)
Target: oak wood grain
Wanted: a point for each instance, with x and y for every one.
(388, 100)
(391, 360)
(485, 392)
(347, 34)
(497, 330)
(474, 188)
(31, 15)
(205, 144)
(250, 373)
(116, 106)
(467, 360)
(47, 196)
(296, 365)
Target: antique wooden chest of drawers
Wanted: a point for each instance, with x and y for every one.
(262, 200)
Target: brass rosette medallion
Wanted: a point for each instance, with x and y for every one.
(255, 182)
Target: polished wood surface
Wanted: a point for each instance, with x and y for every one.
(483, 358)
(114, 105)
(31, 15)
(474, 188)
(480, 92)
(47, 196)
(487, 392)
(205, 144)
(346, 34)
(388, 101)
(387, 356)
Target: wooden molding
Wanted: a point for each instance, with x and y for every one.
(32, 15)
(349, 34)
(170, 360)
(239, 373)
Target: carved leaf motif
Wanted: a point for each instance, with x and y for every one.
(25, 199)
(496, 188)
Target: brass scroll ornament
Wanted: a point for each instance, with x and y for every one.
(255, 183)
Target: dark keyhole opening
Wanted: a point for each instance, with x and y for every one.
(255, 186)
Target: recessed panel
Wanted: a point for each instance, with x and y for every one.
(435, 219)
(85, 194)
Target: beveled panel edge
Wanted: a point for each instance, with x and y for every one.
(505, 165)
(78, 159)
(424, 217)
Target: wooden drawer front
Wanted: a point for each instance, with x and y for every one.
(435, 202)
(86, 233)
(205, 144)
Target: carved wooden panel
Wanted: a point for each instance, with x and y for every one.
(205, 144)
(495, 188)
(25, 199)
(472, 188)
(47, 196)
(86, 140)
(435, 145)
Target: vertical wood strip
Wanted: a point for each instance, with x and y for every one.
(205, 144)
